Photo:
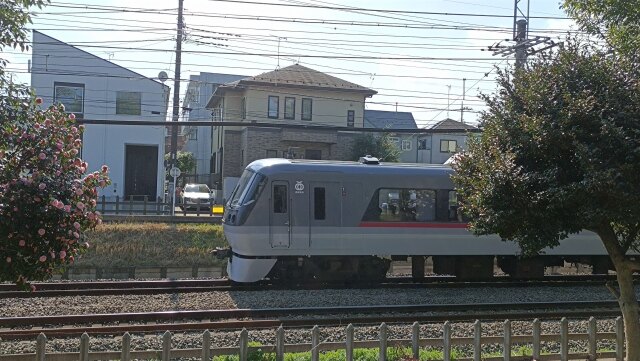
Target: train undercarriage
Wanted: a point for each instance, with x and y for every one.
(472, 268)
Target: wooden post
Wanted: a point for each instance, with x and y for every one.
(158, 201)
(349, 343)
(383, 342)
(280, 344)
(206, 345)
(507, 340)
(84, 347)
(593, 330)
(244, 344)
(125, 355)
(564, 339)
(130, 205)
(536, 339)
(41, 347)
(117, 204)
(477, 340)
(415, 340)
(446, 350)
(619, 339)
(144, 208)
(166, 346)
(315, 341)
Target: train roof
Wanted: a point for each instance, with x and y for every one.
(278, 165)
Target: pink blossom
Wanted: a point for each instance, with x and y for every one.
(67, 208)
(76, 225)
(86, 244)
(8, 259)
(78, 192)
(80, 205)
(62, 254)
(104, 169)
(59, 145)
(75, 234)
(41, 232)
(102, 184)
(72, 116)
(21, 243)
(74, 151)
(42, 186)
(43, 258)
(58, 173)
(42, 156)
(38, 100)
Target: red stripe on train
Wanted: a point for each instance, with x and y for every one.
(412, 225)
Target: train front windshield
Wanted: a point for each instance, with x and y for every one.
(248, 188)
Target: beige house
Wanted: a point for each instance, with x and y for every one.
(295, 95)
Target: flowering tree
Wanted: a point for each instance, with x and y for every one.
(46, 200)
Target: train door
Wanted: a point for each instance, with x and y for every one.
(326, 214)
(279, 215)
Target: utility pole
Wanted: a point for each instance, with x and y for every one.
(448, 96)
(176, 97)
(176, 87)
(464, 92)
(524, 46)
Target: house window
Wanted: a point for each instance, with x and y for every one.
(129, 103)
(422, 144)
(351, 117)
(312, 154)
(448, 146)
(71, 95)
(193, 134)
(274, 103)
(289, 108)
(243, 106)
(406, 144)
(319, 208)
(307, 108)
(272, 153)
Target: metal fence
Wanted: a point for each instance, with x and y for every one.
(146, 206)
(383, 343)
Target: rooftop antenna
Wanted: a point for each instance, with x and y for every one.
(448, 95)
(279, 38)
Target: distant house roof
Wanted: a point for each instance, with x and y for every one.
(385, 119)
(450, 124)
(216, 78)
(49, 40)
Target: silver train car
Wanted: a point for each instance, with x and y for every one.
(293, 220)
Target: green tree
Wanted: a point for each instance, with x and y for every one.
(615, 21)
(186, 162)
(376, 145)
(560, 153)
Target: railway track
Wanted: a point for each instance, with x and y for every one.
(102, 288)
(12, 328)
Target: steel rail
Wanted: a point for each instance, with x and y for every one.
(102, 288)
(306, 322)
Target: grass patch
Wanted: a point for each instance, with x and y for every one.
(152, 244)
(360, 354)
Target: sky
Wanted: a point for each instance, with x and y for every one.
(417, 54)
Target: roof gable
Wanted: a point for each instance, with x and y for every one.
(393, 120)
(300, 76)
(450, 124)
(40, 38)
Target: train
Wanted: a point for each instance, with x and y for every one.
(291, 220)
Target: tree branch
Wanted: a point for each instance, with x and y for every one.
(613, 290)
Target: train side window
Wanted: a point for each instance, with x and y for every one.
(319, 204)
(280, 198)
(402, 205)
(455, 212)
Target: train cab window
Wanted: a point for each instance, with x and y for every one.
(319, 204)
(280, 198)
(402, 205)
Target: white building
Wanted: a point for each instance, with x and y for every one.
(96, 89)
(450, 137)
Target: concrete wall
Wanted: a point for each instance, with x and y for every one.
(54, 61)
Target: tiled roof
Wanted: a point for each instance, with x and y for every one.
(450, 124)
(385, 119)
(301, 76)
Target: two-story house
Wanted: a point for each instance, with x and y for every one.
(294, 95)
(95, 89)
(199, 91)
(406, 142)
(450, 137)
